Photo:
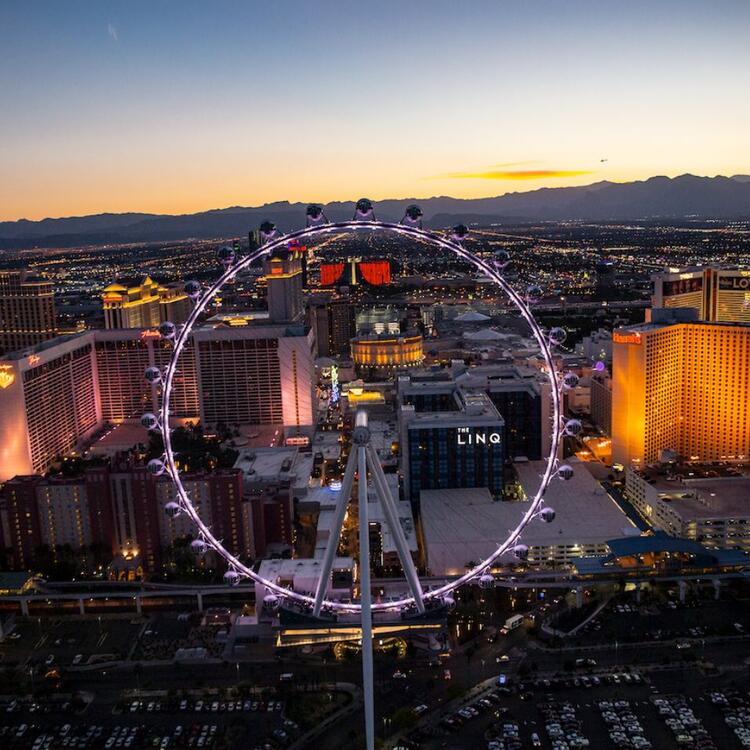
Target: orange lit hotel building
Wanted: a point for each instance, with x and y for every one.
(682, 385)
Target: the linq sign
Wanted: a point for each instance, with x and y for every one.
(465, 436)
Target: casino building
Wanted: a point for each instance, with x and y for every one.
(143, 304)
(355, 271)
(261, 374)
(27, 310)
(56, 396)
(680, 384)
(456, 440)
(49, 403)
(719, 294)
(380, 355)
(520, 396)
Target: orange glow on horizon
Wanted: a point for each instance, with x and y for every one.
(518, 174)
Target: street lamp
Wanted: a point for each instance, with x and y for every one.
(386, 725)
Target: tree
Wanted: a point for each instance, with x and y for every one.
(404, 718)
(455, 691)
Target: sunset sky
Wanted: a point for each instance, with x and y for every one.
(175, 107)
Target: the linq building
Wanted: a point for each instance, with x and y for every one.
(450, 438)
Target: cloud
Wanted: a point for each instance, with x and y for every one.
(112, 31)
(516, 174)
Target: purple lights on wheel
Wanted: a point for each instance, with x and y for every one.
(236, 570)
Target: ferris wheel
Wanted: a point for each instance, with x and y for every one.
(363, 456)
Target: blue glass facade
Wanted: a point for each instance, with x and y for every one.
(453, 457)
(522, 411)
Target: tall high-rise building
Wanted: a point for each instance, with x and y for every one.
(605, 277)
(601, 402)
(121, 359)
(54, 512)
(681, 385)
(19, 520)
(719, 294)
(55, 396)
(262, 374)
(284, 286)
(520, 396)
(301, 252)
(334, 324)
(27, 310)
(218, 498)
(272, 518)
(49, 403)
(458, 445)
(144, 304)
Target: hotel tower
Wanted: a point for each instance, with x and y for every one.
(680, 384)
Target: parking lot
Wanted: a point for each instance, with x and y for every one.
(70, 642)
(156, 720)
(675, 708)
(662, 616)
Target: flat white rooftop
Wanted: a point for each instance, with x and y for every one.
(275, 465)
(466, 525)
(308, 566)
(720, 498)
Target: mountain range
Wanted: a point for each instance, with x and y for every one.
(657, 198)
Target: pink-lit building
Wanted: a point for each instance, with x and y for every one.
(55, 397)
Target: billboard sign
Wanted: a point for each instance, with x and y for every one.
(682, 286)
(734, 283)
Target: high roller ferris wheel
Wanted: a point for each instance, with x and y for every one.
(363, 456)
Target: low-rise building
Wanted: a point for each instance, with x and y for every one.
(462, 527)
(694, 503)
(302, 574)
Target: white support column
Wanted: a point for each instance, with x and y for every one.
(333, 540)
(391, 515)
(365, 601)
